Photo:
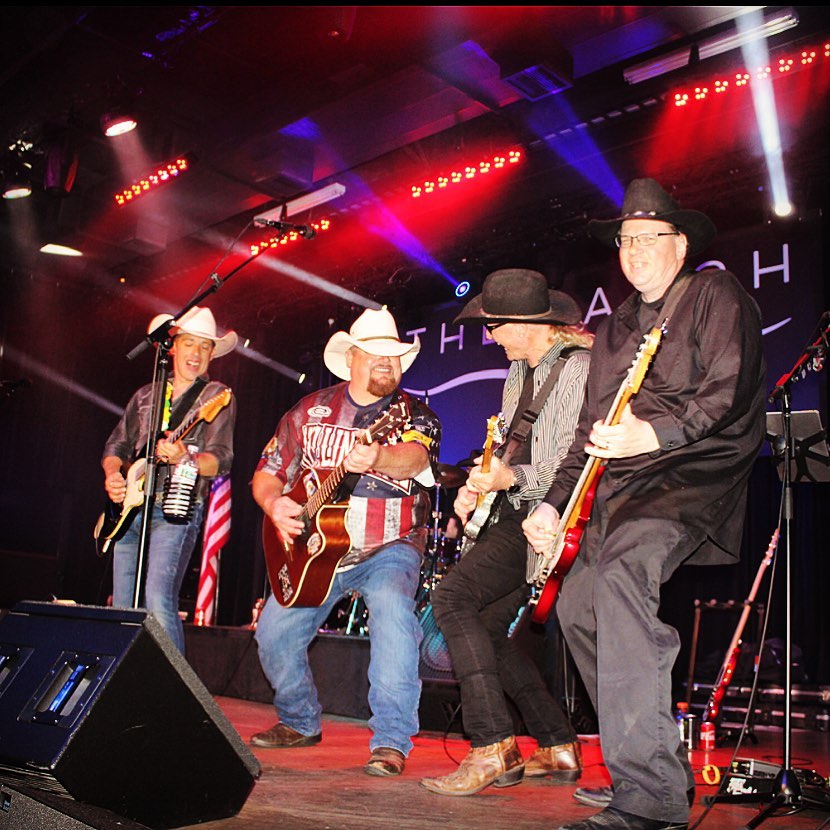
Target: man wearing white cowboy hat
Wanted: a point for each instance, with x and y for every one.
(673, 492)
(542, 335)
(208, 443)
(389, 505)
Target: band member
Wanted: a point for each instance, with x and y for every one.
(208, 444)
(475, 604)
(388, 511)
(673, 492)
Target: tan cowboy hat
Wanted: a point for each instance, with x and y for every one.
(200, 323)
(374, 332)
(646, 199)
(517, 295)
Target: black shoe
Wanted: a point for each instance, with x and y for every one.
(283, 737)
(601, 796)
(613, 819)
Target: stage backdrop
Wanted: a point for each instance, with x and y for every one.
(460, 373)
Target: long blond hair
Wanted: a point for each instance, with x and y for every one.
(576, 335)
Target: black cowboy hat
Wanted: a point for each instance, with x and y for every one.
(516, 295)
(646, 199)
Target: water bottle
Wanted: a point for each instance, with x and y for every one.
(180, 489)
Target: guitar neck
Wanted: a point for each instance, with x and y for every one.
(331, 483)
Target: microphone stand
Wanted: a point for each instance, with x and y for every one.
(789, 790)
(161, 337)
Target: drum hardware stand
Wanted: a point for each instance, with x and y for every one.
(786, 789)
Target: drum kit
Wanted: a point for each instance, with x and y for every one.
(350, 615)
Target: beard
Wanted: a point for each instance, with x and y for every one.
(380, 387)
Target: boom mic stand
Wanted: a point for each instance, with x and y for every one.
(790, 790)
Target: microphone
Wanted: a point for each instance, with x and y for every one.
(305, 231)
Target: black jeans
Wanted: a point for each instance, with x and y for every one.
(475, 605)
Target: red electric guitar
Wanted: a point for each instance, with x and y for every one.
(301, 571)
(552, 571)
(727, 671)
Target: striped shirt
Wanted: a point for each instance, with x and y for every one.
(552, 434)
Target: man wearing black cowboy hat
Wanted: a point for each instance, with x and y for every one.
(476, 603)
(673, 491)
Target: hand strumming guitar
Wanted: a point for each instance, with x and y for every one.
(540, 528)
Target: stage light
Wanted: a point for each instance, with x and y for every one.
(117, 121)
(59, 250)
(301, 204)
(60, 162)
(160, 176)
(709, 47)
(462, 289)
(15, 173)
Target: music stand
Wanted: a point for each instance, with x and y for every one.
(810, 458)
(799, 448)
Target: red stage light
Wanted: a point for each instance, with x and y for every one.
(292, 236)
(471, 171)
(158, 177)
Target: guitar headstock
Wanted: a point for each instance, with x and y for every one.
(394, 418)
(495, 431)
(215, 405)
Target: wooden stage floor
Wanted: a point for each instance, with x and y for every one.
(324, 787)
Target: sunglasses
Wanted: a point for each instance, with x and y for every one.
(491, 327)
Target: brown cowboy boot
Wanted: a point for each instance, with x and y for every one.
(500, 764)
(563, 763)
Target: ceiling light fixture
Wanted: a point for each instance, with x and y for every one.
(15, 173)
(59, 250)
(301, 204)
(117, 121)
(709, 47)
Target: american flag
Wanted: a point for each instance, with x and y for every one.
(216, 534)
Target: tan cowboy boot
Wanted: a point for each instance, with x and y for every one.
(563, 763)
(500, 764)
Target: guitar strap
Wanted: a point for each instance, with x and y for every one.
(519, 435)
(185, 402)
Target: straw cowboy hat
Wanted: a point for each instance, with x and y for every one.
(200, 323)
(646, 199)
(374, 332)
(516, 295)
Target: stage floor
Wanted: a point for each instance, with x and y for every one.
(324, 786)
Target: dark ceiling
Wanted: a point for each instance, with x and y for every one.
(270, 103)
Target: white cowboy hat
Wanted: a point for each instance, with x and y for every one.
(374, 332)
(200, 323)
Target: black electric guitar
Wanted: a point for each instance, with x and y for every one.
(113, 522)
(572, 523)
(301, 571)
(486, 502)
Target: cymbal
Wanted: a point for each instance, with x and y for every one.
(449, 476)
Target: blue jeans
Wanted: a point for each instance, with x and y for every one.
(387, 582)
(165, 564)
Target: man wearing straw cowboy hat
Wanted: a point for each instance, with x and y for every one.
(673, 491)
(389, 505)
(208, 443)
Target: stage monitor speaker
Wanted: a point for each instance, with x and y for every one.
(435, 663)
(98, 705)
(28, 809)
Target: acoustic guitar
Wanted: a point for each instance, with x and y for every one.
(552, 570)
(116, 518)
(301, 570)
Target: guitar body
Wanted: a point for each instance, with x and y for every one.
(116, 518)
(481, 518)
(564, 560)
(301, 572)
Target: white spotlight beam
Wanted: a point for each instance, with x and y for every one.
(711, 46)
(302, 203)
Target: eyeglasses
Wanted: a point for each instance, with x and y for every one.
(491, 327)
(623, 240)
